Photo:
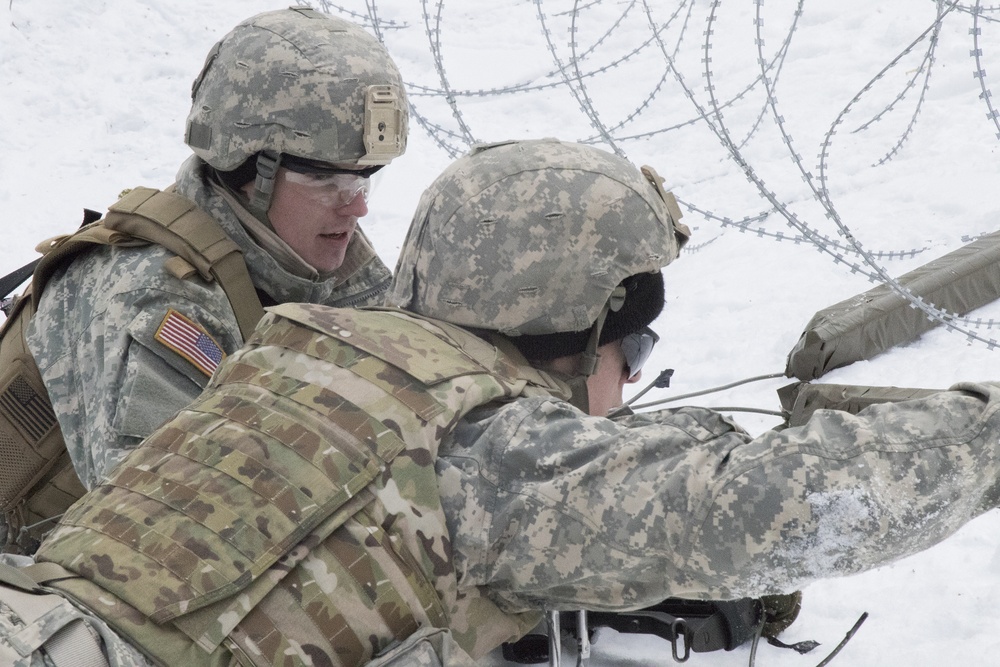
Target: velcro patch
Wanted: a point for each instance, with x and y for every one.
(188, 339)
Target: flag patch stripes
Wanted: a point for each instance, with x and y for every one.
(186, 338)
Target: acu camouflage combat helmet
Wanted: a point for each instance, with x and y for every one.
(534, 237)
(302, 83)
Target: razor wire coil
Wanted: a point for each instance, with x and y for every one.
(575, 65)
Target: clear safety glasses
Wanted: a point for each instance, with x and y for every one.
(637, 347)
(328, 186)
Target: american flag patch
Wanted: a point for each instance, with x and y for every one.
(190, 341)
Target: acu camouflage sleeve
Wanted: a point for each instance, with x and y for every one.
(549, 507)
(172, 349)
(111, 372)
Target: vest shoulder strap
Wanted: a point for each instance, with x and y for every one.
(177, 224)
(146, 215)
(60, 249)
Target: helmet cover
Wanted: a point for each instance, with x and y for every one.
(298, 82)
(532, 237)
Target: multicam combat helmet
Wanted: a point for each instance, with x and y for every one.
(297, 82)
(534, 237)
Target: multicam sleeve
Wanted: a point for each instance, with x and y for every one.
(585, 512)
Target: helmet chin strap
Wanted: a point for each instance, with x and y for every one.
(589, 357)
(579, 396)
(263, 187)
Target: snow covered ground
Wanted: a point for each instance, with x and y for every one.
(886, 127)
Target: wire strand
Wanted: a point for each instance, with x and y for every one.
(703, 392)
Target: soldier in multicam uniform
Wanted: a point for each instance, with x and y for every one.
(411, 485)
(280, 162)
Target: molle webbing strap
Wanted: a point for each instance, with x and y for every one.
(191, 234)
(13, 576)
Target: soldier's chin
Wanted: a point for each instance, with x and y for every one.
(329, 251)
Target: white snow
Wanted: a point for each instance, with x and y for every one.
(94, 96)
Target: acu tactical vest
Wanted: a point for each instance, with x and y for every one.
(291, 514)
(37, 479)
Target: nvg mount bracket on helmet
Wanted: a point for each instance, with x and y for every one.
(385, 125)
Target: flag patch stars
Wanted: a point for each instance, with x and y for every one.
(186, 338)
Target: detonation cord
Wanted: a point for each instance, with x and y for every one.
(23, 538)
(826, 660)
(756, 641)
(760, 411)
(662, 381)
(843, 642)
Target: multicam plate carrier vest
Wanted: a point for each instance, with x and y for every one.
(291, 514)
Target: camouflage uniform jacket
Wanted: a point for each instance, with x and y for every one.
(111, 378)
(548, 507)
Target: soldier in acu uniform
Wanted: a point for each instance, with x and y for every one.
(282, 159)
(410, 485)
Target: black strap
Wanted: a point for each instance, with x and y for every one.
(689, 625)
(703, 625)
(12, 280)
(15, 278)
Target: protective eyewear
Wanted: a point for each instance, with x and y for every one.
(329, 186)
(637, 347)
